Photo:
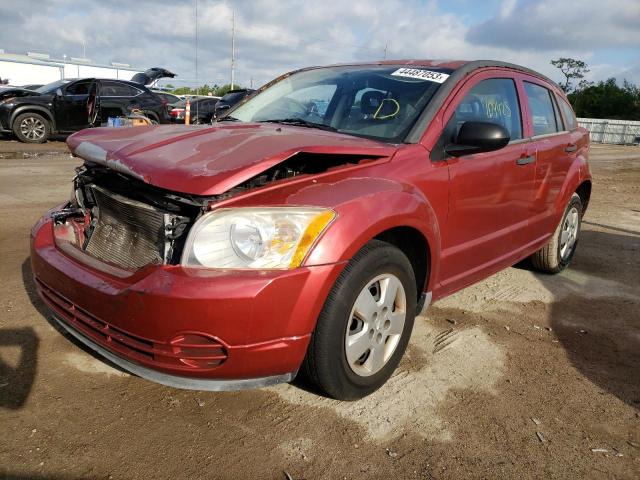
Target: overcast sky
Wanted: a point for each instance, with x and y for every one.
(275, 36)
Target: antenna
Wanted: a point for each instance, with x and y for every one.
(197, 84)
(233, 47)
(385, 50)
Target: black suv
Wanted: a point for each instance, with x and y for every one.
(230, 99)
(70, 105)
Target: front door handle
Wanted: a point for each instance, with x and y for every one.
(571, 148)
(526, 160)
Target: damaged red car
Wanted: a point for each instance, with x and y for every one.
(304, 231)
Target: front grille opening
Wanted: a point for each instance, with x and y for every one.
(127, 233)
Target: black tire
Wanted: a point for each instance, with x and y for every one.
(550, 258)
(325, 364)
(31, 128)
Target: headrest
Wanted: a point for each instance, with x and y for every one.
(371, 101)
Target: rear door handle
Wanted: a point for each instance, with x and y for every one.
(571, 148)
(526, 160)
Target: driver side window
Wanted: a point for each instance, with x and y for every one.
(495, 101)
(78, 88)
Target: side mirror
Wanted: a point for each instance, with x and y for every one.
(59, 92)
(478, 137)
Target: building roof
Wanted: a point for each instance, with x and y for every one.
(44, 59)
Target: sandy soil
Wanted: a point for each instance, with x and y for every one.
(520, 376)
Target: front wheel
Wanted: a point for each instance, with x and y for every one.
(556, 255)
(365, 325)
(31, 128)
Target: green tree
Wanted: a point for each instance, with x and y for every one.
(216, 90)
(607, 99)
(572, 69)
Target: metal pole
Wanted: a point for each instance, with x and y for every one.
(197, 84)
(233, 47)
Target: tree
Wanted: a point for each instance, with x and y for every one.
(607, 100)
(571, 69)
(205, 89)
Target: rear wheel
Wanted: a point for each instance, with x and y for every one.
(365, 325)
(31, 128)
(557, 254)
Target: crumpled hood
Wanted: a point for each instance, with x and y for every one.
(210, 160)
(6, 92)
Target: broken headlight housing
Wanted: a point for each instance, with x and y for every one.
(260, 238)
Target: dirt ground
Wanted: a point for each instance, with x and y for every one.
(520, 376)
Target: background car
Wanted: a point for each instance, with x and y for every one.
(202, 110)
(230, 98)
(69, 105)
(170, 98)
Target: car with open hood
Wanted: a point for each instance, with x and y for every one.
(69, 105)
(304, 231)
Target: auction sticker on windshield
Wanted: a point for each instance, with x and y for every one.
(420, 74)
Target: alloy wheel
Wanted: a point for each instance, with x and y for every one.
(569, 232)
(32, 128)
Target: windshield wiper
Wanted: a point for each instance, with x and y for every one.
(228, 118)
(299, 122)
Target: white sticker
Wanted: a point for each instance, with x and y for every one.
(420, 74)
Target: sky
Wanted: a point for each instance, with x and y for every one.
(276, 36)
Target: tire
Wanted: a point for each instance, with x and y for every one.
(343, 328)
(556, 255)
(31, 128)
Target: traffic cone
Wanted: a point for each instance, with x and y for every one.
(187, 113)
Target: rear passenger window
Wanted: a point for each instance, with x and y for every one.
(495, 101)
(117, 89)
(542, 110)
(567, 113)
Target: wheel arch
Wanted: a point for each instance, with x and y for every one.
(584, 192)
(416, 247)
(33, 109)
(404, 219)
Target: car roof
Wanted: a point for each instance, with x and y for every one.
(460, 67)
(128, 82)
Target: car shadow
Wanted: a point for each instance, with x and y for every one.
(32, 292)
(596, 316)
(16, 378)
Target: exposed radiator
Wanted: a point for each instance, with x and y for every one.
(128, 233)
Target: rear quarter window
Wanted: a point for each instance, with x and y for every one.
(568, 114)
(542, 111)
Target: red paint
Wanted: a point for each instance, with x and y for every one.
(479, 214)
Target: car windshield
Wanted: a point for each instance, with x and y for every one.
(52, 87)
(379, 102)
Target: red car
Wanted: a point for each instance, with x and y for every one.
(305, 230)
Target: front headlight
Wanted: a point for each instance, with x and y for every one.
(263, 238)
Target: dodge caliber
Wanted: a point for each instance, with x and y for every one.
(304, 231)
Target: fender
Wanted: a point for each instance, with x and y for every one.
(395, 205)
(33, 108)
(577, 174)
